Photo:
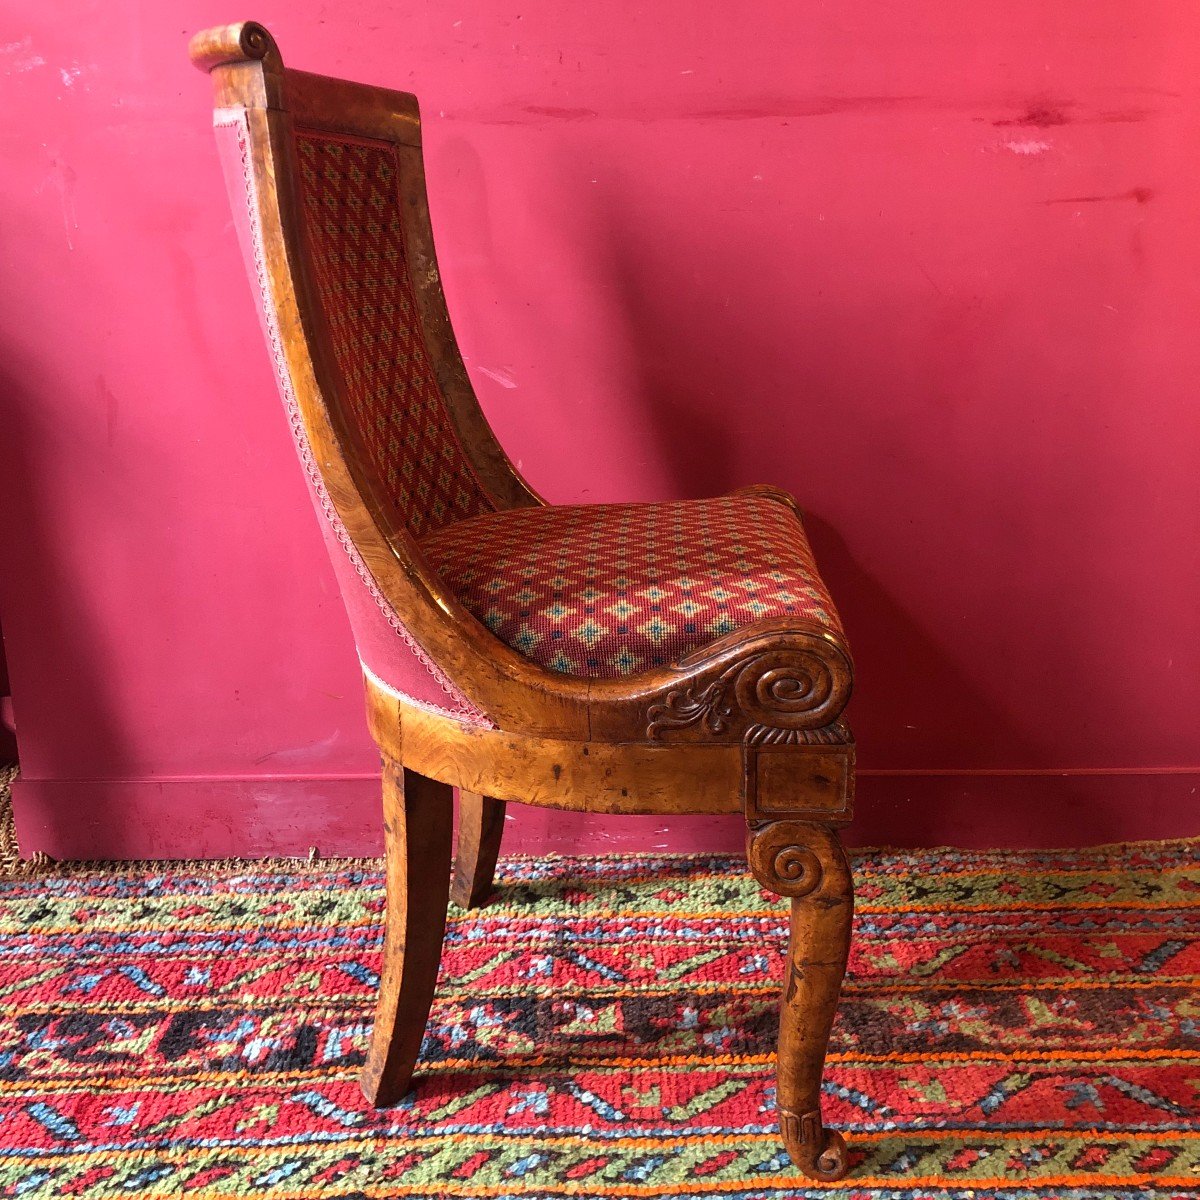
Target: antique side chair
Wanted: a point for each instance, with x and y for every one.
(613, 658)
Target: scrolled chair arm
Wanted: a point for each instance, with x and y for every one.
(778, 681)
(775, 682)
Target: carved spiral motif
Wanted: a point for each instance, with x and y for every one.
(790, 689)
(780, 861)
(798, 869)
(772, 696)
(820, 1153)
(255, 40)
(833, 1162)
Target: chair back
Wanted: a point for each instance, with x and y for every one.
(327, 185)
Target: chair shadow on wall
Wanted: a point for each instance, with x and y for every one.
(904, 676)
(68, 733)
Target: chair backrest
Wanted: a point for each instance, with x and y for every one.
(328, 190)
(361, 258)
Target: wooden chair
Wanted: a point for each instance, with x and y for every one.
(626, 658)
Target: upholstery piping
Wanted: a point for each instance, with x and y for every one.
(237, 120)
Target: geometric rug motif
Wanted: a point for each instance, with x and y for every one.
(1014, 1025)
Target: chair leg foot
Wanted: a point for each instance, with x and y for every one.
(807, 864)
(480, 829)
(417, 814)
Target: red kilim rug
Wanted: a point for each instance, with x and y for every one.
(1014, 1025)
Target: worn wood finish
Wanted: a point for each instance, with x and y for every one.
(584, 775)
(752, 722)
(595, 775)
(480, 831)
(807, 864)
(417, 819)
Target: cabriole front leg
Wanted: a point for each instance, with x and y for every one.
(807, 864)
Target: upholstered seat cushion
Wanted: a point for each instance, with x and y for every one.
(604, 590)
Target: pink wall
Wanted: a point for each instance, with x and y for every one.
(933, 268)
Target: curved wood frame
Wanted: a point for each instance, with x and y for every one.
(751, 722)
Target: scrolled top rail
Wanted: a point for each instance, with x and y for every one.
(245, 41)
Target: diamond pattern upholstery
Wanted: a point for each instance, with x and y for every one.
(607, 590)
(350, 199)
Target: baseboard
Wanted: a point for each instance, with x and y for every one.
(339, 815)
(198, 817)
(981, 809)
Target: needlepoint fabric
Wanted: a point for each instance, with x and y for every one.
(351, 204)
(607, 590)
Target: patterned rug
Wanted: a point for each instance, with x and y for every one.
(1014, 1025)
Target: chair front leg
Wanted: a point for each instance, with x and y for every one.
(480, 829)
(417, 821)
(807, 864)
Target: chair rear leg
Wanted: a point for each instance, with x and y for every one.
(417, 817)
(807, 863)
(480, 829)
